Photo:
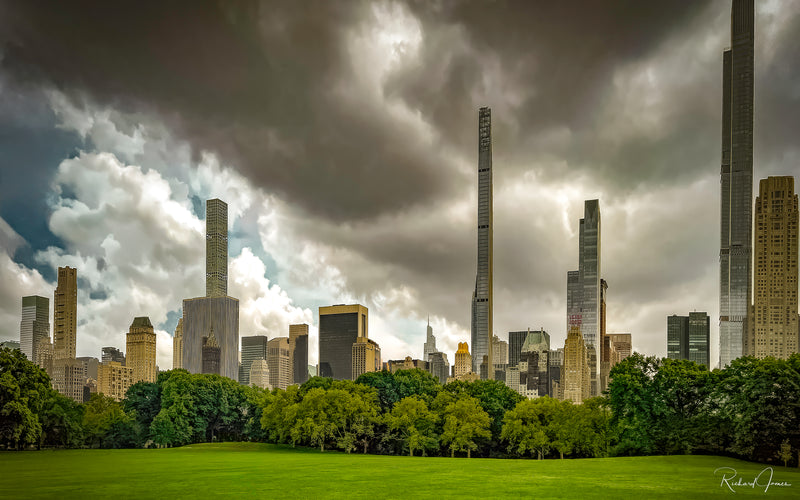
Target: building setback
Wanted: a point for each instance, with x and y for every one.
(339, 327)
(773, 321)
(35, 324)
(481, 324)
(736, 184)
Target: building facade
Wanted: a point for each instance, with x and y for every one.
(439, 366)
(463, 361)
(279, 362)
(113, 379)
(177, 345)
(773, 321)
(35, 324)
(678, 337)
(575, 378)
(515, 342)
(534, 373)
(141, 350)
(259, 374)
(736, 184)
(112, 354)
(298, 342)
(216, 248)
(429, 347)
(339, 328)
(211, 354)
(366, 357)
(202, 314)
(621, 343)
(253, 348)
(65, 314)
(481, 324)
(499, 351)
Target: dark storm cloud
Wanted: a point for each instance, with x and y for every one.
(251, 81)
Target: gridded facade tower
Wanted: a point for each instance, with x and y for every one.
(366, 357)
(35, 324)
(141, 350)
(65, 314)
(773, 322)
(463, 361)
(736, 182)
(253, 349)
(279, 362)
(677, 337)
(114, 379)
(482, 296)
(515, 342)
(575, 380)
(216, 248)
(298, 342)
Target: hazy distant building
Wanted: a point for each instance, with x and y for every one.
(621, 343)
(113, 379)
(534, 376)
(429, 347)
(554, 372)
(366, 357)
(773, 321)
(112, 354)
(604, 347)
(141, 350)
(339, 327)
(253, 348)
(44, 355)
(65, 314)
(298, 342)
(515, 341)
(406, 364)
(736, 182)
(177, 346)
(279, 362)
(463, 361)
(575, 379)
(259, 374)
(499, 351)
(439, 366)
(90, 365)
(481, 324)
(211, 354)
(35, 324)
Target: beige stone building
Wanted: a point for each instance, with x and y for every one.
(177, 346)
(279, 362)
(575, 377)
(44, 355)
(114, 379)
(259, 374)
(68, 379)
(772, 323)
(141, 350)
(621, 344)
(366, 357)
(65, 314)
(463, 361)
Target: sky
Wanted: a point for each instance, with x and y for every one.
(343, 136)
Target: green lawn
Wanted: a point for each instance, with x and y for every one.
(266, 471)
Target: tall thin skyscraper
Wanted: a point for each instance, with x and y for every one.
(482, 296)
(65, 314)
(216, 248)
(35, 324)
(773, 321)
(298, 342)
(583, 289)
(736, 182)
(429, 347)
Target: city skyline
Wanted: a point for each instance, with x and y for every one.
(115, 188)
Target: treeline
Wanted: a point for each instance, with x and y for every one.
(750, 409)
(653, 406)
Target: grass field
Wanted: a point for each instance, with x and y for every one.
(249, 470)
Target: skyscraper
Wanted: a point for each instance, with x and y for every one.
(259, 374)
(499, 351)
(35, 324)
(113, 379)
(279, 362)
(534, 364)
(366, 357)
(575, 379)
(253, 349)
(583, 288)
(430, 343)
(678, 337)
(773, 321)
(216, 248)
(65, 314)
(298, 342)
(699, 337)
(439, 366)
(621, 343)
(736, 181)
(339, 327)
(515, 341)
(177, 346)
(216, 310)
(140, 350)
(463, 361)
(481, 324)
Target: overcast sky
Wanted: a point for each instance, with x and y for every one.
(343, 136)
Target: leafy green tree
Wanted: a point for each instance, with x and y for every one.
(101, 414)
(494, 396)
(24, 387)
(785, 453)
(417, 382)
(464, 423)
(386, 385)
(143, 402)
(529, 426)
(62, 422)
(414, 424)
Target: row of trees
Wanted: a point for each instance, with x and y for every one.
(750, 409)
(409, 412)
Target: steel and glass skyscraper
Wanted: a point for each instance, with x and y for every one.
(216, 248)
(481, 324)
(35, 324)
(736, 182)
